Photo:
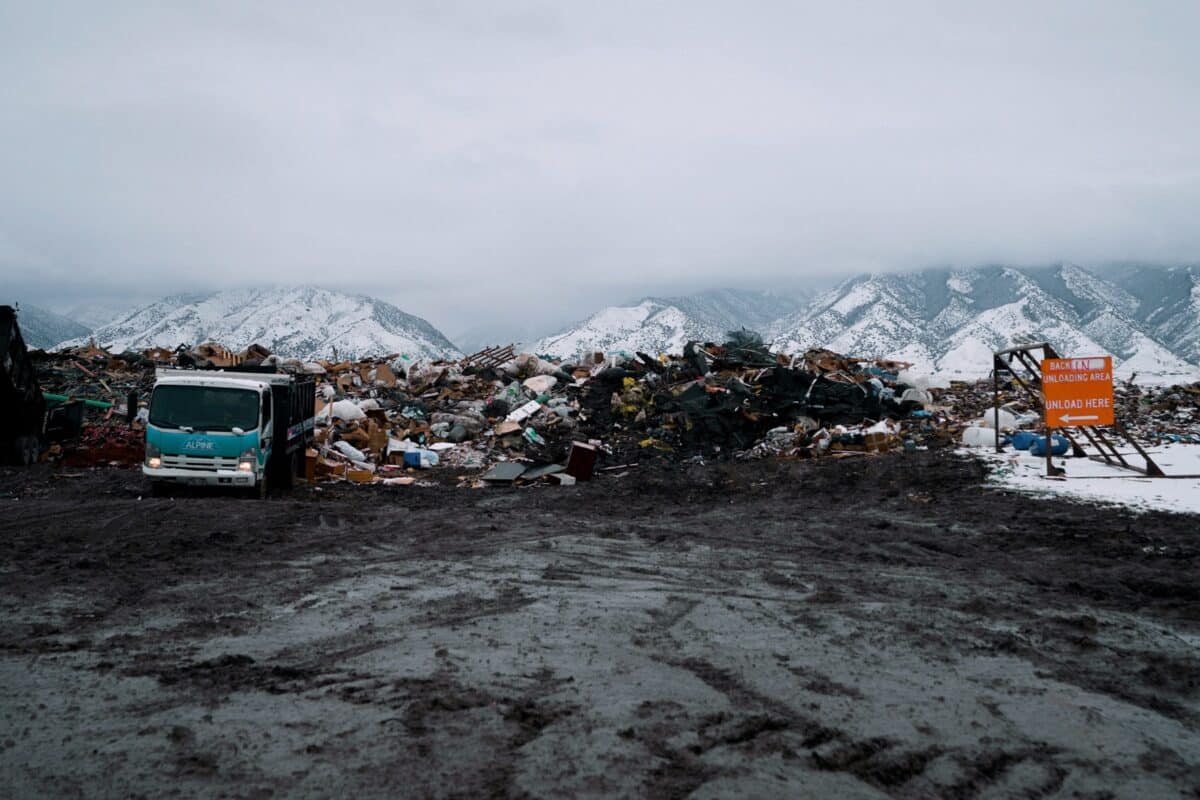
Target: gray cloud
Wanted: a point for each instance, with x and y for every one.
(517, 161)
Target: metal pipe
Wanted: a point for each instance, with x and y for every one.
(62, 398)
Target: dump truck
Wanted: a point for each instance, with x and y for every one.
(232, 428)
(23, 420)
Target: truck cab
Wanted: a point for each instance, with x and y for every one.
(224, 429)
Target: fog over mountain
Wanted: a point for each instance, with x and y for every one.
(523, 164)
(43, 328)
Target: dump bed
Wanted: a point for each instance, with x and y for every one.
(295, 407)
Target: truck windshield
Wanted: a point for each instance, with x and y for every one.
(204, 408)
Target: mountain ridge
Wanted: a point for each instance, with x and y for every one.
(303, 321)
(946, 320)
(43, 328)
(667, 323)
(950, 321)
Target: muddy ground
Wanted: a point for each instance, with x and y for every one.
(883, 627)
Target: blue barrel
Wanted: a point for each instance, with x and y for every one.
(1058, 446)
(1022, 439)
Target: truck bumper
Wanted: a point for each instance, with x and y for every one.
(195, 477)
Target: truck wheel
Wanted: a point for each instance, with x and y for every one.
(293, 471)
(159, 489)
(27, 450)
(283, 475)
(261, 488)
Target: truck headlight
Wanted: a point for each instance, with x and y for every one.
(246, 461)
(153, 456)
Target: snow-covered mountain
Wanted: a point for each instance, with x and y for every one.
(950, 321)
(666, 324)
(96, 314)
(648, 326)
(1168, 304)
(42, 328)
(723, 310)
(305, 322)
(943, 320)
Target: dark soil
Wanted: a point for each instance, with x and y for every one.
(864, 627)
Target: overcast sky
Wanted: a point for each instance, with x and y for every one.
(524, 162)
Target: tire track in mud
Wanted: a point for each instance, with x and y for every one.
(835, 551)
(764, 725)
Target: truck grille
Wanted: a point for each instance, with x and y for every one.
(199, 462)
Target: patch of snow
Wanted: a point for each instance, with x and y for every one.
(970, 357)
(858, 296)
(1090, 481)
(959, 282)
(914, 353)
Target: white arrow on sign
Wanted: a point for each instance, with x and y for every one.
(1076, 418)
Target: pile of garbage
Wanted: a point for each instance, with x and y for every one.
(95, 404)
(493, 417)
(1160, 414)
(499, 416)
(1152, 414)
(92, 373)
(1013, 417)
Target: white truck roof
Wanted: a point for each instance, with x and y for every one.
(219, 378)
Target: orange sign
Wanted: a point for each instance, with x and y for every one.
(1079, 391)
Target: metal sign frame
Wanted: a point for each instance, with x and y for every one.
(1014, 360)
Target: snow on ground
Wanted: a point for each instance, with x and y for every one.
(1092, 481)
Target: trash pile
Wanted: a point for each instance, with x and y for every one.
(495, 417)
(91, 373)
(95, 402)
(1152, 414)
(500, 417)
(1016, 419)
(975, 405)
(1160, 414)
